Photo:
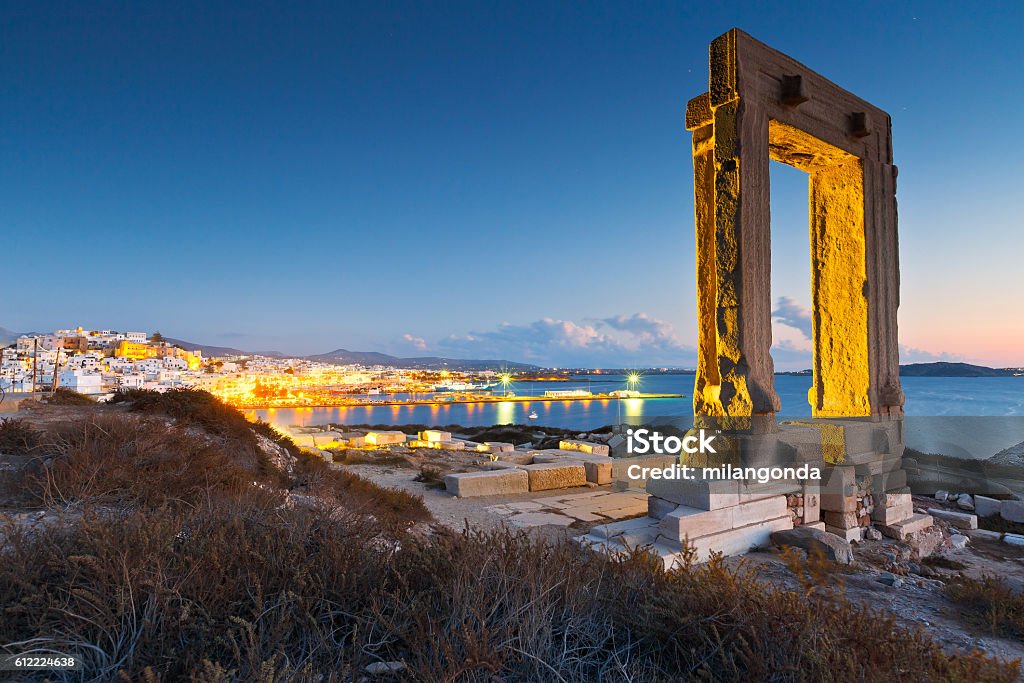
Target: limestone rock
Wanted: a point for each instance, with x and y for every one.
(1012, 510)
(1013, 539)
(960, 520)
(384, 668)
(890, 579)
(545, 477)
(965, 502)
(598, 472)
(942, 496)
(986, 507)
(488, 483)
(959, 541)
(811, 539)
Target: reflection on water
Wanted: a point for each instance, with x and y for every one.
(926, 396)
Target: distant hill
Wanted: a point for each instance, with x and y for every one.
(939, 369)
(943, 369)
(346, 357)
(208, 350)
(7, 337)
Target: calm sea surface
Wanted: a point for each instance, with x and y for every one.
(926, 397)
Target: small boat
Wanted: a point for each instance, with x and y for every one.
(532, 415)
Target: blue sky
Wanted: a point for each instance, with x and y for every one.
(472, 179)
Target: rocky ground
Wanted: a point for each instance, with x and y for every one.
(882, 576)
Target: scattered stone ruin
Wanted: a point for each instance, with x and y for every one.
(762, 105)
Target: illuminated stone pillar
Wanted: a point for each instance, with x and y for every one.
(762, 105)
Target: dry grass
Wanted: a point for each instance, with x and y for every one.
(357, 456)
(990, 604)
(393, 508)
(18, 436)
(126, 460)
(433, 477)
(167, 454)
(231, 592)
(67, 397)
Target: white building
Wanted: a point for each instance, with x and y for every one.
(81, 381)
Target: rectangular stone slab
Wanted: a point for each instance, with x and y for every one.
(598, 472)
(890, 515)
(740, 540)
(987, 507)
(960, 520)
(901, 530)
(545, 477)
(700, 494)
(492, 483)
(687, 522)
(584, 447)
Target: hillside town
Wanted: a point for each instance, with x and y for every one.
(100, 362)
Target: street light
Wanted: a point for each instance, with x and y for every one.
(632, 379)
(506, 379)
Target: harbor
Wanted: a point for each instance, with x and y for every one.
(464, 398)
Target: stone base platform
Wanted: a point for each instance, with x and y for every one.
(727, 530)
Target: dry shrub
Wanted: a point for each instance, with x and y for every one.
(67, 397)
(236, 593)
(191, 407)
(813, 571)
(18, 437)
(231, 584)
(203, 411)
(433, 477)
(130, 460)
(394, 508)
(989, 603)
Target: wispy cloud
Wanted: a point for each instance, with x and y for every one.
(792, 313)
(621, 340)
(910, 354)
(792, 335)
(417, 342)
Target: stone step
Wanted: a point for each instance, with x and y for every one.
(692, 523)
(714, 494)
(694, 493)
(893, 514)
(607, 531)
(901, 530)
(734, 541)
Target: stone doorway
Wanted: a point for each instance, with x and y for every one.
(762, 105)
